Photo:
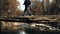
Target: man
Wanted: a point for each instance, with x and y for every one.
(27, 3)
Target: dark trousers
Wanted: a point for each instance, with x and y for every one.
(27, 10)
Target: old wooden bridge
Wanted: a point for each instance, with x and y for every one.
(31, 19)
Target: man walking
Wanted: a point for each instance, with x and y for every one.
(27, 3)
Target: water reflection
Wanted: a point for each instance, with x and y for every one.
(16, 32)
(32, 32)
(22, 32)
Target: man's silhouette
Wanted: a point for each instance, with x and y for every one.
(27, 3)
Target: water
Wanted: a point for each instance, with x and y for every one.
(17, 32)
(21, 32)
(32, 31)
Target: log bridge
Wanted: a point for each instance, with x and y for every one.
(30, 19)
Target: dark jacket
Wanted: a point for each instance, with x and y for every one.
(27, 2)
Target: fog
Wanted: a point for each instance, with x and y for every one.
(21, 7)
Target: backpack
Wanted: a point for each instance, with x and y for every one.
(27, 2)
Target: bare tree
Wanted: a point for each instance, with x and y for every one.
(9, 8)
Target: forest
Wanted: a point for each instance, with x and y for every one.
(44, 7)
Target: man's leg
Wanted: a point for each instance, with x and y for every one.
(24, 11)
(30, 13)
